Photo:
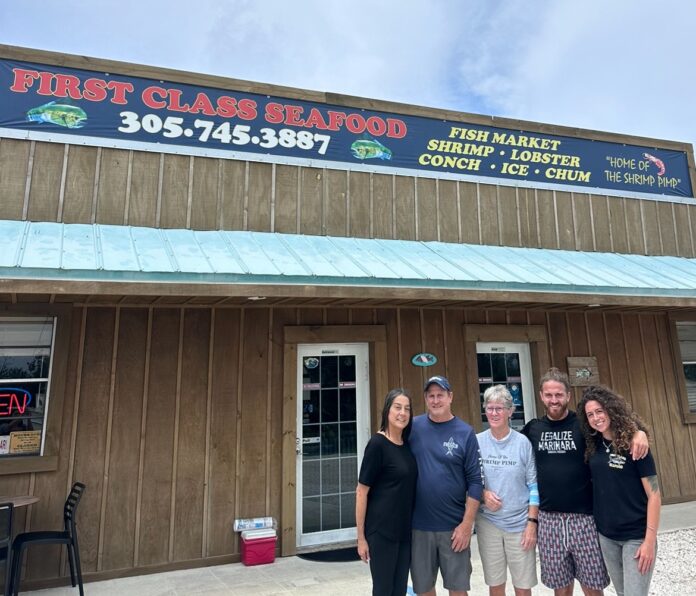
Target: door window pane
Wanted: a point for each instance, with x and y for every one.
(348, 510)
(311, 479)
(347, 369)
(329, 442)
(502, 368)
(329, 372)
(329, 476)
(499, 368)
(484, 367)
(330, 513)
(311, 515)
(310, 407)
(349, 473)
(512, 367)
(329, 405)
(347, 404)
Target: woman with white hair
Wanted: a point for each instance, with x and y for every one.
(506, 524)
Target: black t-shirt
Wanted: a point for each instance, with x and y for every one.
(620, 501)
(564, 479)
(390, 471)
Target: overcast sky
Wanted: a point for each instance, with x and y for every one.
(617, 65)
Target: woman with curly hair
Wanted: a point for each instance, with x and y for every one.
(626, 493)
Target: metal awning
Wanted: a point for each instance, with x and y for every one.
(72, 257)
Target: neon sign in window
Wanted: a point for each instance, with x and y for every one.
(26, 345)
(13, 401)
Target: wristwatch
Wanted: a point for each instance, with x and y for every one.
(534, 520)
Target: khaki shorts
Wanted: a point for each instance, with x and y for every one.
(431, 551)
(501, 551)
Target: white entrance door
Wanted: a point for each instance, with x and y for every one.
(508, 364)
(333, 427)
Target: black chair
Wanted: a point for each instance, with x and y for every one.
(67, 537)
(6, 514)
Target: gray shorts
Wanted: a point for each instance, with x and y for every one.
(431, 551)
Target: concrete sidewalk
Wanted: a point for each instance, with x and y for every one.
(292, 575)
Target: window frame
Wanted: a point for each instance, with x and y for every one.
(47, 461)
(688, 417)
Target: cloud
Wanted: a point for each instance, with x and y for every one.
(622, 66)
(389, 50)
(618, 66)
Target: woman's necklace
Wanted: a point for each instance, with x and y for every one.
(390, 439)
(607, 447)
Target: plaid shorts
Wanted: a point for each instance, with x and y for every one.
(568, 546)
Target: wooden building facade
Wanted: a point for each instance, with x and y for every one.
(177, 403)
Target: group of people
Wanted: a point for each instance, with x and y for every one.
(582, 488)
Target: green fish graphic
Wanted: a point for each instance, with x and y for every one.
(62, 114)
(367, 148)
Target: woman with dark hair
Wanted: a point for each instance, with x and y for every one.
(384, 498)
(626, 493)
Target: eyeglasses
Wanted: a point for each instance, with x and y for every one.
(497, 410)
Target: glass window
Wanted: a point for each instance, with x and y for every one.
(686, 332)
(26, 348)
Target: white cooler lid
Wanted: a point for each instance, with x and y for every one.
(258, 534)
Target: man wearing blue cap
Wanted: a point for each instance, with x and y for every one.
(448, 493)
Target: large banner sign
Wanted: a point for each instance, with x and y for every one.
(50, 102)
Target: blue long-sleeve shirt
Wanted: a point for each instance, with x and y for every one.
(448, 471)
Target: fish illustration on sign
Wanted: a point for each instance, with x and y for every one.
(368, 148)
(658, 163)
(62, 114)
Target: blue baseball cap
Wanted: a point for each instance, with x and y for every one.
(438, 380)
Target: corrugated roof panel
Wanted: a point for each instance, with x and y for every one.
(473, 266)
(101, 252)
(218, 253)
(152, 251)
(373, 265)
(318, 254)
(187, 252)
(253, 260)
(664, 269)
(580, 273)
(419, 256)
(596, 265)
(12, 237)
(633, 271)
(117, 248)
(44, 246)
(513, 266)
(79, 248)
(679, 268)
(279, 253)
(553, 271)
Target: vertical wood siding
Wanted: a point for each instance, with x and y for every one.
(173, 416)
(73, 184)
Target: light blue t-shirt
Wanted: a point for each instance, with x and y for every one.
(508, 470)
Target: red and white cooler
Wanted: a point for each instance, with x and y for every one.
(258, 546)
